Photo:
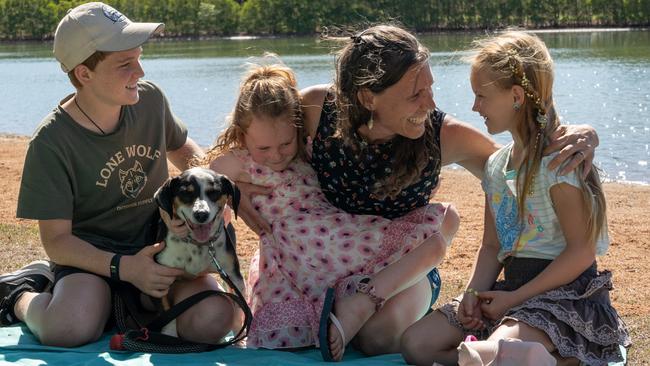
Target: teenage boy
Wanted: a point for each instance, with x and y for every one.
(90, 173)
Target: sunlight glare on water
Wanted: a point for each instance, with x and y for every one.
(601, 79)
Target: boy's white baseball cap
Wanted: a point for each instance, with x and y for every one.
(95, 27)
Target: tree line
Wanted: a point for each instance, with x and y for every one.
(37, 19)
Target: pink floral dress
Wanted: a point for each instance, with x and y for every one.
(315, 246)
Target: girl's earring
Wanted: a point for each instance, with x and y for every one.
(516, 106)
(371, 121)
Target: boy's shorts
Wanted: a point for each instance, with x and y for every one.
(62, 271)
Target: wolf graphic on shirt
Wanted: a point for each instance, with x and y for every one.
(132, 181)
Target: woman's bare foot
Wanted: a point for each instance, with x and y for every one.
(352, 312)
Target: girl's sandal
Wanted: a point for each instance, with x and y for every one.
(355, 284)
(327, 317)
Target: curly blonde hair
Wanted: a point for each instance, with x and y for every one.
(520, 58)
(266, 90)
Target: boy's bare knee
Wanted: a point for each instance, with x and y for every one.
(212, 320)
(70, 335)
(220, 320)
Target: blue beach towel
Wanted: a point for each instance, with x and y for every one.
(19, 347)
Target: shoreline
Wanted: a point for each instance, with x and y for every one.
(454, 168)
(246, 37)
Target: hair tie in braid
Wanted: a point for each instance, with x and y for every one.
(518, 73)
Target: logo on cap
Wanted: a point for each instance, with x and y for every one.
(112, 14)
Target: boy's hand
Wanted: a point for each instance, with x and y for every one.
(142, 270)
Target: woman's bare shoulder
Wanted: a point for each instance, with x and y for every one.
(312, 105)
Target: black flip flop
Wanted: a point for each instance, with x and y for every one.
(327, 317)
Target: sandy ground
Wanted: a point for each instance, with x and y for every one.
(628, 257)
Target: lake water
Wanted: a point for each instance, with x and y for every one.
(602, 78)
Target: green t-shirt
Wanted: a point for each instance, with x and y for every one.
(103, 183)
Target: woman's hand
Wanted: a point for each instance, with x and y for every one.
(575, 145)
(469, 312)
(251, 217)
(146, 274)
(494, 304)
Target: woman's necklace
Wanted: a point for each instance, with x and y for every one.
(87, 116)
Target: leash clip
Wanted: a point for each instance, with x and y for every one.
(213, 254)
(213, 251)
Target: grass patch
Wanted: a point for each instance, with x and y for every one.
(19, 245)
(639, 353)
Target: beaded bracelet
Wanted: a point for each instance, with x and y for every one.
(471, 291)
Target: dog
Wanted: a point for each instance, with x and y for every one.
(198, 197)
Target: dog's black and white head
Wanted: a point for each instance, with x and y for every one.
(198, 196)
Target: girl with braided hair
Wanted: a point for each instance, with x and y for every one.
(542, 228)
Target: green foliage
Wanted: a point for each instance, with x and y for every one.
(37, 19)
(218, 17)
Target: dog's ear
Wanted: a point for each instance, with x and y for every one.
(164, 196)
(231, 189)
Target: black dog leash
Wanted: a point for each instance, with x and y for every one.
(239, 298)
(149, 339)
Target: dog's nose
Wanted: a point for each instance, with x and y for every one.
(201, 216)
(201, 211)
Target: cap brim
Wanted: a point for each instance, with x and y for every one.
(132, 36)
